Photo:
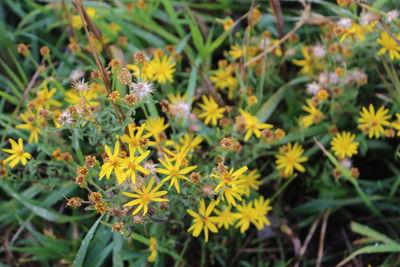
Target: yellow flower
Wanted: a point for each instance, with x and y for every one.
(253, 126)
(153, 249)
(18, 153)
(289, 158)
(203, 221)
(230, 195)
(136, 141)
(225, 217)
(161, 70)
(237, 51)
(229, 178)
(261, 208)
(315, 115)
(253, 212)
(174, 171)
(309, 64)
(223, 78)
(132, 165)
(44, 100)
(246, 215)
(144, 196)
(389, 46)
(156, 127)
(76, 19)
(250, 181)
(228, 23)
(371, 122)
(358, 31)
(141, 73)
(191, 142)
(76, 97)
(211, 110)
(396, 124)
(114, 163)
(343, 145)
(31, 124)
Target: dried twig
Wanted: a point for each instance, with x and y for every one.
(300, 23)
(81, 10)
(307, 240)
(293, 237)
(322, 237)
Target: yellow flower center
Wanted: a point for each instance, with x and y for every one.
(174, 172)
(227, 177)
(114, 162)
(132, 166)
(145, 197)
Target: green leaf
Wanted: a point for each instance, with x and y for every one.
(270, 105)
(9, 97)
(80, 256)
(117, 249)
(371, 233)
(370, 250)
(45, 213)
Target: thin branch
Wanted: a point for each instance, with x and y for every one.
(322, 237)
(307, 240)
(85, 19)
(301, 22)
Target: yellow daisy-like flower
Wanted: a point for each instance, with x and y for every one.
(136, 140)
(246, 215)
(144, 196)
(223, 78)
(18, 153)
(44, 98)
(161, 70)
(250, 181)
(343, 145)
(132, 165)
(31, 124)
(372, 122)
(203, 221)
(114, 163)
(253, 126)
(76, 97)
(225, 218)
(358, 31)
(261, 208)
(228, 23)
(211, 110)
(77, 21)
(237, 51)
(230, 195)
(156, 127)
(290, 158)
(390, 46)
(315, 115)
(174, 171)
(229, 178)
(309, 64)
(191, 142)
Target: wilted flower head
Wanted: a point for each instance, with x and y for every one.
(65, 118)
(344, 22)
(313, 88)
(391, 16)
(81, 85)
(76, 74)
(318, 51)
(141, 89)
